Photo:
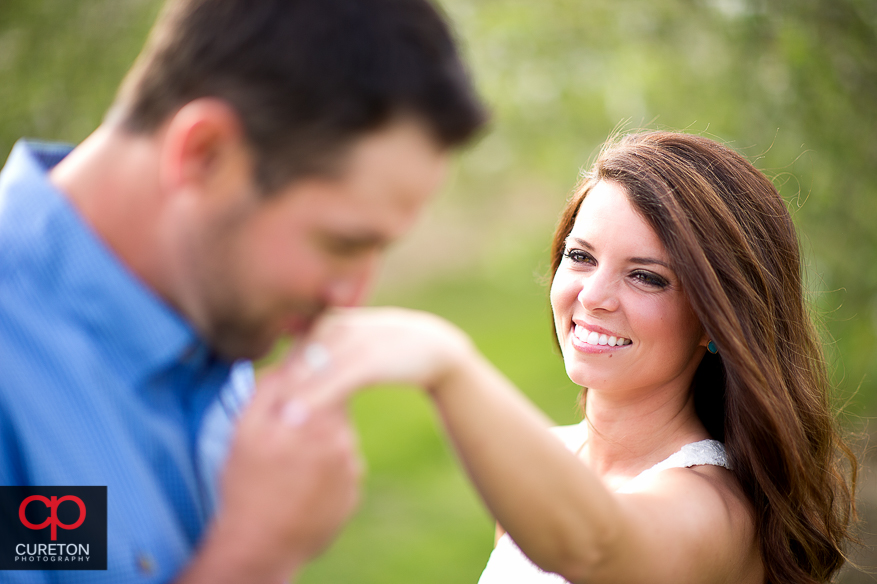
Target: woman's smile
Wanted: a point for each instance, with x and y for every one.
(589, 338)
(616, 272)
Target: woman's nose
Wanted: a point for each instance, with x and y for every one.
(599, 291)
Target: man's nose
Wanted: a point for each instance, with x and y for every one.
(352, 287)
(599, 291)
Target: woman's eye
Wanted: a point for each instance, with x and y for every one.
(650, 279)
(578, 256)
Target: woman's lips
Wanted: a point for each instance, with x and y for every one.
(596, 341)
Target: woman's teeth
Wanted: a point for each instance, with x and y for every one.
(592, 338)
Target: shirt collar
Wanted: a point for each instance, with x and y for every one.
(79, 278)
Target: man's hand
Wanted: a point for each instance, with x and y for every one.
(292, 475)
(291, 481)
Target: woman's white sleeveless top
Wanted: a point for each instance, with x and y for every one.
(508, 564)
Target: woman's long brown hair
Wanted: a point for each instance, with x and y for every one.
(765, 394)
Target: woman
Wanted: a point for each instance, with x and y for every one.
(708, 452)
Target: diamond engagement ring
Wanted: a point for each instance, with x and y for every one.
(317, 357)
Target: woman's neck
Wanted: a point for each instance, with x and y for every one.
(629, 435)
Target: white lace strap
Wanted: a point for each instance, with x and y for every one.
(710, 452)
(572, 436)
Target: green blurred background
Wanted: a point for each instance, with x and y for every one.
(792, 84)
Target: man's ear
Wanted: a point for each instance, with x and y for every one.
(204, 147)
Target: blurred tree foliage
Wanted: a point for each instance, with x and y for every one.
(792, 84)
(61, 61)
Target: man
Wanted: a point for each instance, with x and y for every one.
(257, 161)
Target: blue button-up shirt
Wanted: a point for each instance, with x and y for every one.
(102, 383)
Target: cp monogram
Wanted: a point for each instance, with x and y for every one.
(53, 517)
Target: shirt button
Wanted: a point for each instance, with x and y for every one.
(145, 564)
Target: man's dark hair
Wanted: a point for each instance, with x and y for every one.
(305, 76)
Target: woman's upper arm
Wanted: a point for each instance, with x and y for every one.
(683, 525)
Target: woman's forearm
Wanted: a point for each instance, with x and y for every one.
(557, 511)
(552, 505)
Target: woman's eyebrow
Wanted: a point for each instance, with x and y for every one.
(649, 261)
(582, 243)
(637, 260)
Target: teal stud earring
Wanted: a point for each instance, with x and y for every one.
(712, 348)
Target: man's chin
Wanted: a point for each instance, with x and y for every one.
(250, 347)
(235, 340)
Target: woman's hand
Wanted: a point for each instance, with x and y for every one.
(351, 348)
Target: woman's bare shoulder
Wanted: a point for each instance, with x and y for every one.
(740, 519)
(708, 516)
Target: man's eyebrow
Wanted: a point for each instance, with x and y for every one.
(635, 260)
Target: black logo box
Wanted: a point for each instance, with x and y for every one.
(82, 548)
